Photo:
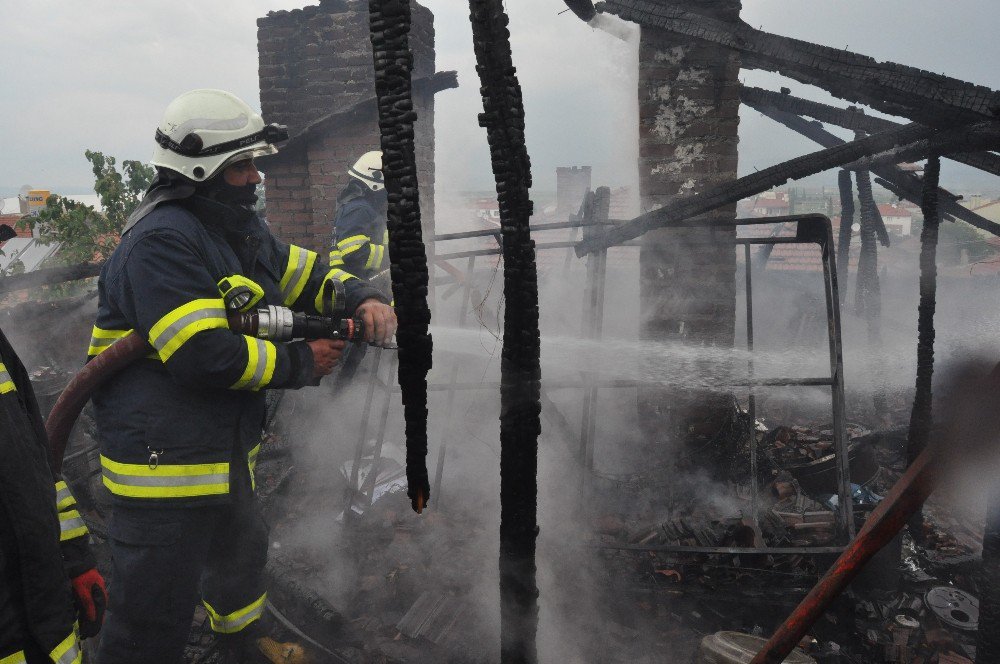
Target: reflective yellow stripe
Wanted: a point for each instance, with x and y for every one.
(334, 273)
(261, 358)
(6, 384)
(173, 330)
(237, 620)
(385, 237)
(300, 264)
(71, 525)
(336, 258)
(101, 340)
(67, 652)
(16, 658)
(64, 498)
(138, 480)
(374, 256)
(351, 244)
(252, 463)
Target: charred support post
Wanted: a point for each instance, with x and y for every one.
(846, 227)
(868, 290)
(390, 27)
(520, 409)
(921, 416)
(596, 211)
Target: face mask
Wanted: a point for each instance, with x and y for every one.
(245, 196)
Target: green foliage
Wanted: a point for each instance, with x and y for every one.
(86, 234)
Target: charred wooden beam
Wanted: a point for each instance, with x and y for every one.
(520, 366)
(852, 118)
(921, 416)
(390, 22)
(49, 276)
(582, 8)
(917, 139)
(901, 183)
(846, 224)
(922, 96)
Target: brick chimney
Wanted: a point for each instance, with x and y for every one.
(317, 77)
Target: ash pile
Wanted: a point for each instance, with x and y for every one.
(669, 549)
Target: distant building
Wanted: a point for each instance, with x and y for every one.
(898, 220)
(487, 210)
(767, 204)
(987, 209)
(624, 203)
(572, 182)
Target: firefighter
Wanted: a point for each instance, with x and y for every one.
(360, 239)
(181, 429)
(45, 561)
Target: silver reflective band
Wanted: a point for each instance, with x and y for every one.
(6, 384)
(67, 652)
(71, 525)
(64, 498)
(165, 480)
(171, 331)
(237, 620)
(302, 257)
(261, 368)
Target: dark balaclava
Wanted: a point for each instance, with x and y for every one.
(217, 189)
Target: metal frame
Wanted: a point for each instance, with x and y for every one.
(810, 229)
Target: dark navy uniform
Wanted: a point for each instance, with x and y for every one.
(361, 247)
(360, 239)
(43, 539)
(180, 430)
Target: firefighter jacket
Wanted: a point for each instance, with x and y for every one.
(360, 238)
(43, 540)
(183, 426)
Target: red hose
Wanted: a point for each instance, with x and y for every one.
(95, 373)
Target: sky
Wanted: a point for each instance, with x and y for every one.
(96, 74)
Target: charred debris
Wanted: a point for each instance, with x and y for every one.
(728, 530)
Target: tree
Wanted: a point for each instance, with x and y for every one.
(86, 234)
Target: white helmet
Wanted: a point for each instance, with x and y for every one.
(203, 131)
(368, 169)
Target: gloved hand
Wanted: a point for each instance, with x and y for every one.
(91, 597)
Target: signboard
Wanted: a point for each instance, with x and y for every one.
(36, 200)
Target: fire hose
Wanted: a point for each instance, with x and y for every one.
(276, 324)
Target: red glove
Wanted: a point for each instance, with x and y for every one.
(91, 600)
